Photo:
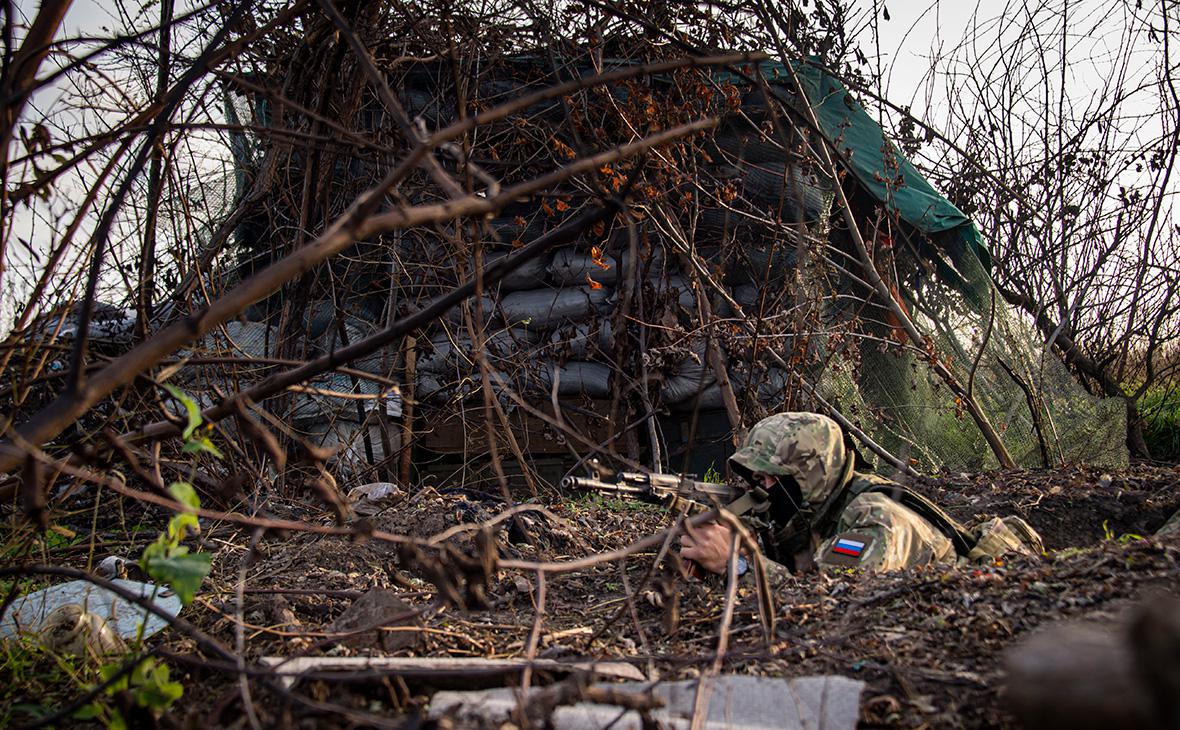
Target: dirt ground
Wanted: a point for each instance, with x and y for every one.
(928, 643)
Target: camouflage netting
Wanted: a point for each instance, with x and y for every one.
(1041, 413)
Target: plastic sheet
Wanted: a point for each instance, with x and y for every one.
(529, 275)
(580, 341)
(455, 353)
(27, 614)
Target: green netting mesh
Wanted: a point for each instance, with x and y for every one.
(1040, 412)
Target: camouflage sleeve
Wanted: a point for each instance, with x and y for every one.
(1001, 535)
(777, 574)
(876, 533)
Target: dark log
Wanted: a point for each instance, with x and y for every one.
(1110, 676)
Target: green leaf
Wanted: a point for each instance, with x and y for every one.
(34, 711)
(107, 671)
(159, 696)
(88, 711)
(190, 407)
(184, 493)
(202, 443)
(156, 550)
(156, 691)
(181, 570)
(178, 524)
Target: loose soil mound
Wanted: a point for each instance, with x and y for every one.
(1070, 507)
(928, 643)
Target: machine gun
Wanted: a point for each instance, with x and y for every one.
(676, 491)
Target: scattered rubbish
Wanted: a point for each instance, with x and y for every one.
(72, 612)
(114, 566)
(549, 638)
(734, 702)
(290, 669)
(281, 614)
(369, 618)
(70, 629)
(370, 499)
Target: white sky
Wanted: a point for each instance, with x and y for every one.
(918, 34)
(43, 225)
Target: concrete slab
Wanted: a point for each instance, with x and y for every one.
(735, 702)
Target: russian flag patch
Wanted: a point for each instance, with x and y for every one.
(848, 546)
(847, 549)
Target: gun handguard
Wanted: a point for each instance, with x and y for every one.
(677, 492)
(670, 490)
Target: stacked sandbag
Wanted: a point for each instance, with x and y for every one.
(559, 331)
(454, 316)
(530, 275)
(570, 268)
(109, 325)
(689, 377)
(583, 341)
(765, 385)
(574, 379)
(541, 310)
(650, 264)
(767, 175)
(245, 339)
(334, 397)
(552, 316)
(770, 263)
(446, 353)
(447, 367)
(347, 440)
(242, 340)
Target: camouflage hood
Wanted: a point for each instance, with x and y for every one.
(806, 446)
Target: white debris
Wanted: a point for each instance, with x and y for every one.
(30, 614)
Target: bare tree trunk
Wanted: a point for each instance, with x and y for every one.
(147, 258)
(18, 83)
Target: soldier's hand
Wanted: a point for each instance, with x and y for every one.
(708, 545)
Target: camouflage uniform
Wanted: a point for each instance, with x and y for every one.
(861, 520)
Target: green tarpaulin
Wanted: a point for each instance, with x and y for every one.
(891, 178)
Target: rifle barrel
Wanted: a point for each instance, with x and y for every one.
(587, 484)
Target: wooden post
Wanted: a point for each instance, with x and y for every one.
(409, 394)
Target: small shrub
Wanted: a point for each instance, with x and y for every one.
(1160, 408)
(712, 476)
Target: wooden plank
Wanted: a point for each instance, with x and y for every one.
(289, 670)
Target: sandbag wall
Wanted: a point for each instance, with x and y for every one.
(553, 326)
(557, 327)
(353, 412)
